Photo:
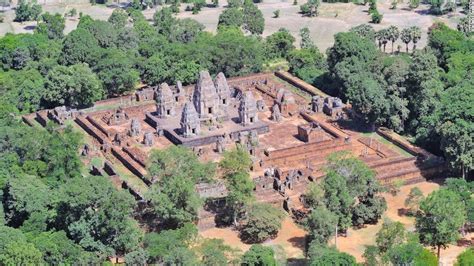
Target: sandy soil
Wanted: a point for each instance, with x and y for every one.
(333, 18)
(292, 238)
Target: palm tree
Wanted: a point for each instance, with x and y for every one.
(415, 35)
(393, 34)
(406, 37)
(382, 38)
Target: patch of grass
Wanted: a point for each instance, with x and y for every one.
(386, 142)
(293, 89)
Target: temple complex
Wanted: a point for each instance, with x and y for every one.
(288, 127)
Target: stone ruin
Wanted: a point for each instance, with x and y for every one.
(248, 109)
(276, 114)
(119, 117)
(286, 102)
(165, 102)
(333, 107)
(135, 128)
(222, 89)
(311, 132)
(205, 98)
(148, 139)
(62, 113)
(146, 94)
(190, 122)
(317, 104)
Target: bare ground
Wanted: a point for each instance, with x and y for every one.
(333, 18)
(292, 238)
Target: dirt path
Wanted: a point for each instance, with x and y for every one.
(291, 238)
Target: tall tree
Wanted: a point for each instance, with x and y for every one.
(231, 17)
(118, 18)
(406, 37)
(320, 225)
(306, 42)
(442, 214)
(259, 255)
(52, 26)
(80, 46)
(394, 34)
(263, 221)
(116, 71)
(253, 18)
(75, 86)
(456, 126)
(279, 44)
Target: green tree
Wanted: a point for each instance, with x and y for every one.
(172, 245)
(51, 26)
(137, 257)
(127, 40)
(415, 33)
(116, 71)
(323, 255)
(103, 31)
(321, 225)
(99, 222)
(75, 86)
(306, 41)
(393, 34)
(179, 160)
(413, 200)
(338, 199)
(80, 46)
(314, 195)
(442, 214)
(279, 44)
(118, 18)
(259, 255)
(406, 37)
(185, 30)
(215, 252)
(174, 200)
(57, 248)
(456, 126)
(263, 221)
(164, 20)
(27, 11)
(253, 18)
(391, 234)
(364, 31)
(231, 17)
(308, 64)
(18, 253)
(466, 258)
(310, 8)
(411, 253)
(349, 60)
(235, 161)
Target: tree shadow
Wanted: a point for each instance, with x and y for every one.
(298, 242)
(296, 262)
(29, 27)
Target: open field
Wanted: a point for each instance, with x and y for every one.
(333, 18)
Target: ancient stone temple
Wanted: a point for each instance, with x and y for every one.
(248, 109)
(164, 101)
(222, 88)
(190, 123)
(205, 97)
